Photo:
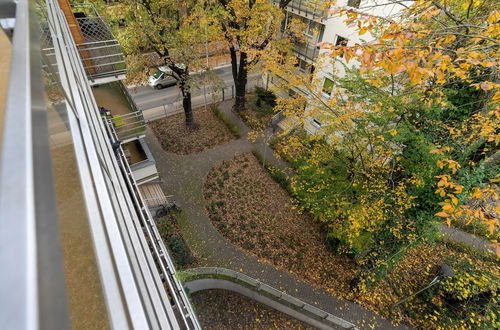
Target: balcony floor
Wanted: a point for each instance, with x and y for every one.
(85, 296)
(110, 96)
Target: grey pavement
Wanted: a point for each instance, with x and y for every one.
(460, 236)
(184, 175)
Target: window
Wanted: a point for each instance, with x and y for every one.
(353, 3)
(341, 41)
(327, 87)
(310, 29)
(303, 65)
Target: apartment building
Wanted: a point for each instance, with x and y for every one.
(78, 243)
(323, 25)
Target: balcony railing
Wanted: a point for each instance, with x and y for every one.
(102, 56)
(134, 283)
(312, 9)
(306, 51)
(127, 119)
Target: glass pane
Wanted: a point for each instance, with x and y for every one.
(327, 86)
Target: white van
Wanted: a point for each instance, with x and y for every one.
(163, 78)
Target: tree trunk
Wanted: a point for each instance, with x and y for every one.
(240, 75)
(186, 104)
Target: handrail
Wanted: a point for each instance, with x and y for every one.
(160, 252)
(32, 286)
(223, 274)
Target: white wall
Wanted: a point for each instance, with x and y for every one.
(334, 27)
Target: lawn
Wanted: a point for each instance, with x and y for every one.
(255, 213)
(221, 309)
(208, 132)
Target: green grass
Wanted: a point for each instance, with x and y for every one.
(232, 127)
(277, 174)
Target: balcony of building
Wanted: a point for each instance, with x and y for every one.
(141, 161)
(305, 46)
(117, 106)
(310, 9)
(306, 51)
(100, 52)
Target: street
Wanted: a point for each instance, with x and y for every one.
(147, 98)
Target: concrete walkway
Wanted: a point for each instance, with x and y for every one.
(184, 175)
(456, 235)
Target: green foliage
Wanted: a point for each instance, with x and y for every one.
(182, 255)
(232, 127)
(278, 174)
(165, 227)
(264, 97)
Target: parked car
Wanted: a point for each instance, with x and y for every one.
(163, 78)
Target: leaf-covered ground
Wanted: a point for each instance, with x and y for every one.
(175, 137)
(434, 308)
(221, 309)
(256, 213)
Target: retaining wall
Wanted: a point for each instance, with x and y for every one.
(205, 278)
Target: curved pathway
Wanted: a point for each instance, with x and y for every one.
(184, 175)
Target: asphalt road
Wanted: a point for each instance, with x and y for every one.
(148, 98)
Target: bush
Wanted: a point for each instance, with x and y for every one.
(278, 175)
(232, 127)
(164, 226)
(265, 96)
(181, 253)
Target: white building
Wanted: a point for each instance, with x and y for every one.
(327, 26)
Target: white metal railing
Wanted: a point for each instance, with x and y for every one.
(125, 247)
(102, 53)
(31, 277)
(160, 252)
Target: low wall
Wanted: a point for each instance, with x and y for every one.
(205, 278)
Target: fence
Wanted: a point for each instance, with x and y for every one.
(199, 99)
(263, 293)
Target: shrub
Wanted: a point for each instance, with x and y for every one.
(232, 127)
(182, 255)
(164, 226)
(265, 96)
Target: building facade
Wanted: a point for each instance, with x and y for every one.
(323, 25)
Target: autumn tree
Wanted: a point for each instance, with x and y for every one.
(162, 33)
(248, 27)
(422, 106)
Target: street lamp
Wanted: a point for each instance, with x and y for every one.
(444, 271)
